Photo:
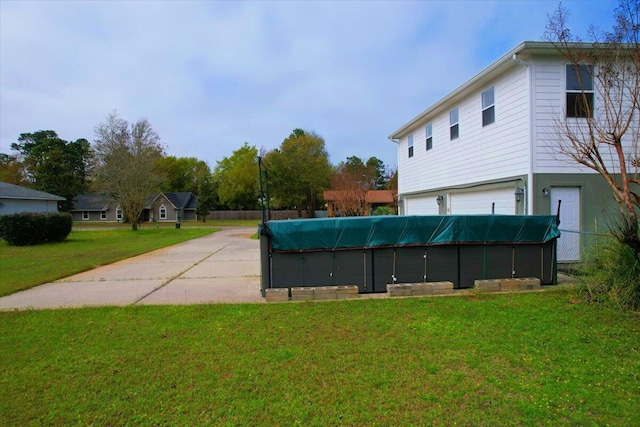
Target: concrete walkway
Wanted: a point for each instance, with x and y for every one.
(219, 267)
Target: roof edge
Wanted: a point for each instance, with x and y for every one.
(540, 47)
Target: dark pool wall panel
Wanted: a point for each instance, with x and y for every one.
(351, 268)
(537, 261)
(372, 268)
(442, 264)
(308, 269)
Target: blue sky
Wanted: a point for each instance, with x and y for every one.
(211, 75)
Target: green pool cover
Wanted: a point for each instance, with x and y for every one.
(397, 231)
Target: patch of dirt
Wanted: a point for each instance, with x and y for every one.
(244, 236)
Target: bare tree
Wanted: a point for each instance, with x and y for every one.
(606, 75)
(348, 192)
(127, 156)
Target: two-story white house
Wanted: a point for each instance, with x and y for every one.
(490, 146)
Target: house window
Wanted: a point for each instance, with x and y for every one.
(580, 90)
(488, 107)
(454, 130)
(163, 212)
(119, 214)
(103, 214)
(428, 134)
(85, 215)
(410, 138)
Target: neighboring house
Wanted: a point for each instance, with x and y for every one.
(490, 147)
(159, 207)
(169, 206)
(370, 200)
(16, 199)
(377, 198)
(94, 207)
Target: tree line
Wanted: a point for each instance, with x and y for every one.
(128, 161)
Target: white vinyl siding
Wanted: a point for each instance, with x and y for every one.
(549, 88)
(479, 154)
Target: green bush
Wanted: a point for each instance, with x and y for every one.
(58, 227)
(382, 210)
(24, 229)
(611, 275)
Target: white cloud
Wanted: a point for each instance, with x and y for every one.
(211, 75)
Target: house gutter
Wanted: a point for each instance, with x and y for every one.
(528, 194)
(533, 47)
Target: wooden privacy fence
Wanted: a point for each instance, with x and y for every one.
(257, 215)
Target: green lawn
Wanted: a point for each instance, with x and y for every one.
(516, 359)
(26, 266)
(78, 225)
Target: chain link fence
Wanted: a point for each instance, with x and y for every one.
(574, 246)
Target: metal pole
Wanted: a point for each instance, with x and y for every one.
(424, 276)
(393, 273)
(261, 192)
(266, 183)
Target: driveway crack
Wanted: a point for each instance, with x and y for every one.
(171, 279)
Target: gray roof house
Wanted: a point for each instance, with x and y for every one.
(159, 207)
(94, 207)
(173, 206)
(17, 199)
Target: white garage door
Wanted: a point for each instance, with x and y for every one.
(480, 202)
(421, 206)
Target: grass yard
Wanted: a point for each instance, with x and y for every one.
(515, 359)
(26, 266)
(79, 225)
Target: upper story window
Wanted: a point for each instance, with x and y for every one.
(454, 130)
(410, 141)
(488, 107)
(428, 135)
(163, 212)
(580, 90)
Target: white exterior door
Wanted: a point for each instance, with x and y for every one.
(569, 241)
(480, 202)
(421, 206)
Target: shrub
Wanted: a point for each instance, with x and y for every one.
(58, 227)
(382, 210)
(611, 274)
(23, 229)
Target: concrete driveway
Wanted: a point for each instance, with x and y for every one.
(222, 267)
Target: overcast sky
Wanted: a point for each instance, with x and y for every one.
(211, 75)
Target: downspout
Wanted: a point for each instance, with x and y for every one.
(400, 206)
(528, 195)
